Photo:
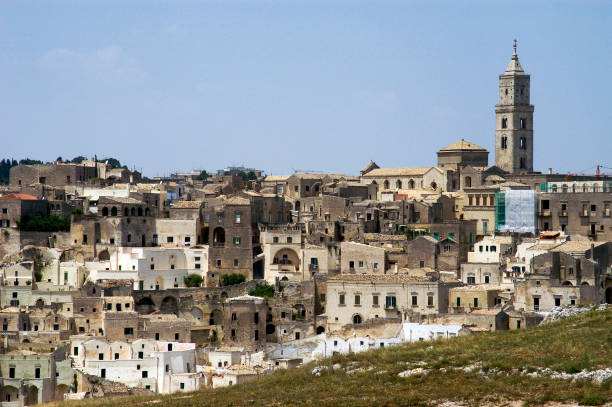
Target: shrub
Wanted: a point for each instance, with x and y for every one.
(38, 275)
(263, 290)
(39, 224)
(29, 282)
(193, 280)
(77, 211)
(234, 278)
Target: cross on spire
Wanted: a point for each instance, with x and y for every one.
(515, 46)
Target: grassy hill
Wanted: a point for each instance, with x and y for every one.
(491, 368)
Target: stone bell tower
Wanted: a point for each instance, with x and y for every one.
(514, 120)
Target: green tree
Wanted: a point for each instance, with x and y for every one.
(77, 160)
(203, 175)
(263, 290)
(234, 278)
(53, 223)
(193, 280)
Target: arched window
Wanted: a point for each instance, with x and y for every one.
(504, 123)
(504, 142)
(434, 186)
(357, 319)
(522, 163)
(386, 184)
(523, 143)
(105, 211)
(411, 184)
(139, 211)
(398, 184)
(114, 211)
(133, 211)
(126, 212)
(467, 182)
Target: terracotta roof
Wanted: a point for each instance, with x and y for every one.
(463, 146)
(397, 172)
(23, 197)
(237, 200)
(276, 178)
(383, 237)
(575, 247)
(187, 204)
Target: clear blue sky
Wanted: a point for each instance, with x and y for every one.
(308, 85)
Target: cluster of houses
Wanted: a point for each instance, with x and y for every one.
(197, 281)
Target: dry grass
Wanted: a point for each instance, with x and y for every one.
(578, 343)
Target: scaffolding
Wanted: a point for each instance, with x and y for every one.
(500, 209)
(515, 211)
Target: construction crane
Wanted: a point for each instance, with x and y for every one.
(598, 173)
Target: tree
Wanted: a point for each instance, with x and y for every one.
(193, 280)
(263, 290)
(59, 159)
(203, 175)
(234, 278)
(113, 162)
(250, 176)
(39, 224)
(78, 159)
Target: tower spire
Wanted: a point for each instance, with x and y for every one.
(514, 48)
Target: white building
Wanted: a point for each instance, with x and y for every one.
(152, 268)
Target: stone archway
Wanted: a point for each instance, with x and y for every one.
(320, 330)
(357, 319)
(145, 306)
(31, 396)
(218, 236)
(60, 391)
(9, 394)
(104, 255)
(169, 305)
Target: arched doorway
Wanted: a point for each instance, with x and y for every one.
(169, 305)
(60, 391)
(9, 393)
(145, 305)
(40, 303)
(196, 314)
(104, 255)
(320, 330)
(270, 329)
(114, 211)
(287, 257)
(31, 396)
(105, 211)
(299, 311)
(357, 319)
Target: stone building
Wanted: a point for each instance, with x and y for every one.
(576, 213)
(14, 207)
(358, 298)
(244, 322)
(514, 120)
(230, 238)
(55, 174)
(389, 179)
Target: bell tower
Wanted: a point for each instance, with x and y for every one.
(514, 120)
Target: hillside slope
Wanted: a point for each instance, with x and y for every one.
(492, 368)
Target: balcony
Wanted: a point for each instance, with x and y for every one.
(283, 269)
(313, 267)
(545, 212)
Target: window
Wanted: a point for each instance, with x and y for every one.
(536, 303)
(140, 355)
(523, 143)
(237, 241)
(145, 374)
(414, 301)
(75, 351)
(475, 302)
(357, 300)
(504, 123)
(100, 356)
(37, 373)
(170, 239)
(176, 336)
(129, 237)
(375, 300)
(375, 266)
(236, 263)
(220, 218)
(422, 263)
(275, 239)
(182, 385)
(360, 264)
(504, 142)
(103, 373)
(237, 217)
(458, 301)
(390, 301)
(4, 210)
(341, 299)
(218, 262)
(257, 335)
(289, 239)
(557, 302)
(522, 163)
(471, 280)
(351, 264)
(486, 279)
(523, 123)
(430, 300)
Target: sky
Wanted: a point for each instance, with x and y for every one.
(303, 85)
